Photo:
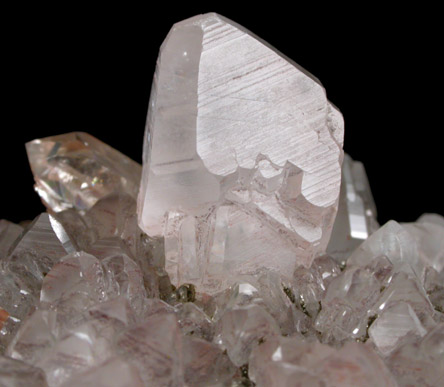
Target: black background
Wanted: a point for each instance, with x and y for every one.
(75, 68)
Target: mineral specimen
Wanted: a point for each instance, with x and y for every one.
(74, 170)
(242, 156)
(239, 192)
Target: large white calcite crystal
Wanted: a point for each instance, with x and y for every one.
(242, 157)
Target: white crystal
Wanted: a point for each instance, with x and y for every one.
(242, 156)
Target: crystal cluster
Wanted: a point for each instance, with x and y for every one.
(232, 269)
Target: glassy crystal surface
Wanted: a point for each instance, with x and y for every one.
(240, 329)
(242, 156)
(38, 249)
(356, 217)
(74, 170)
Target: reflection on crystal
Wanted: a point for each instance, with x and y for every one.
(239, 194)
(74, 170)
(356, 217)
(226, 194)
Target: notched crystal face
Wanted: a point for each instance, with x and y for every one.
(242, 156)
(74, 170)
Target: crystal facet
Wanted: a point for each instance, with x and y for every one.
(242, 156)
(74, 170)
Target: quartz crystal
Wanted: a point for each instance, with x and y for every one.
(242, 156)
(230, 270)
(74, 170)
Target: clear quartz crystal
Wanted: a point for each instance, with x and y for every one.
(74, 170)
(227, 194)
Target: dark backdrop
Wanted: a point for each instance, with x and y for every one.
(91, 70)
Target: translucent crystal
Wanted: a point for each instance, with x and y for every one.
(420, 363)
(9, 232)
(240, 329)
(282, 361)
(74, 170)
(16, 302)
(346, 306)
(114, 372)
(227, 195)
(205, 364)
(396, 243)
(154, 349)
(396, 323)
(65, 349)
(193, 321)
(17, 373)
(309, 285)
(356, 217)
(38, 249)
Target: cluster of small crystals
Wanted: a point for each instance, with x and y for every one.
(86, 300)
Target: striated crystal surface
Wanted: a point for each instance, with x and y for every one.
(153, 347)
(226, 272)
(74, 170)
(15, 373)
(9, 232)
(242, 156)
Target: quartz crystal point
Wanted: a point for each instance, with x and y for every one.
(74, 170)
(242, 156)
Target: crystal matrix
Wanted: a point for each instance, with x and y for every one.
(242, 156)
(84, 295)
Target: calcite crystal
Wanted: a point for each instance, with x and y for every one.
(242, 156)
(240, 188)
(74, 170)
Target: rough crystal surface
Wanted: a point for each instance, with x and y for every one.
(242, 156)
(74, 170)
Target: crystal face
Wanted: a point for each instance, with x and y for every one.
(74, 170)
(242, 156)
(87, 298)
